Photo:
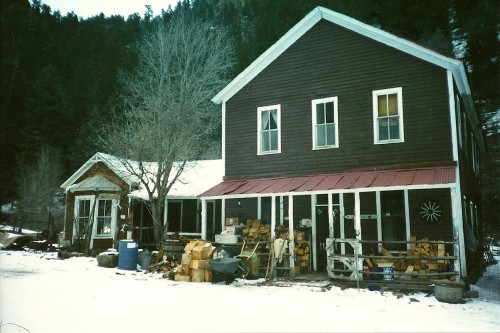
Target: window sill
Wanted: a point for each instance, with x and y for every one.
(269, 153)
(325, 147)
(388, 142)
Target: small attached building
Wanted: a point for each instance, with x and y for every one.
(104, 202)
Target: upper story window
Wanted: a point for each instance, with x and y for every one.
(388, 116)
(325, 123)
(269, 129)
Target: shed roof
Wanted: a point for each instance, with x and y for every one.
(335, 182)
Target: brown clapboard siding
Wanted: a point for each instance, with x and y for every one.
(329, 61)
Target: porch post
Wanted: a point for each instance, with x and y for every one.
(314, 201)
(458, 232)
(259, 207)
(282, 215)
(357, 227)
(290, 236)
(330, 215)
(203, 218)
(222, 213)
(273, 218)
(342, 231)
(379, 219)
(407, 218)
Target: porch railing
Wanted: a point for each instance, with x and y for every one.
(416, 262)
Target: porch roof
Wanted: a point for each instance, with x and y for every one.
(334, 182)
(97, 182)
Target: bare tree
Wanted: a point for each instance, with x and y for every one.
(165, 114)
(39, 182)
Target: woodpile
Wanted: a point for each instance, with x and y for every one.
(194, 262)
(302, 256)
(421, 260)
(164, 265)
(254, 231)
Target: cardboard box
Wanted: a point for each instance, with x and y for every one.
(226, 239)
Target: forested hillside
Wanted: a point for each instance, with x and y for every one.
(59, 73)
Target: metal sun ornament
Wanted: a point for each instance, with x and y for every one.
(430, 211)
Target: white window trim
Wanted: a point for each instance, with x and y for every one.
(114, 203)
(314, 102)
(375, 94)
(276, 107)
(76, 208)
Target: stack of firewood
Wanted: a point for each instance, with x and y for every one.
(302, 256)
(254, 231)
(419, 267)
(194, 263)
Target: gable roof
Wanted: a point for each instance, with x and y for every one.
(349, 23)
(96, 182)
(197, 177)
(455, 66)
(112, 162)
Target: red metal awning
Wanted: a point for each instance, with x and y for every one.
(336, 181)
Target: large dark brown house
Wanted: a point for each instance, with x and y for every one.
(360, 138)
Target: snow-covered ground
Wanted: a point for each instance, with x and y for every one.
(41, 294)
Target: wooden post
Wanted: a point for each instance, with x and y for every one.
(357, 227)
(342, 226)
(222, 213)
(290, 236)
(203, 218)
(314, 201)
(379, 219)
(407, 217)
(273, 219)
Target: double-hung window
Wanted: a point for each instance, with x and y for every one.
(104, 217)
(83, 215)
(269, 129)
(388, 116)
(325, 123)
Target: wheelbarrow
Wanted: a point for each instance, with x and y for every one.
(249, 266)
(224, 268)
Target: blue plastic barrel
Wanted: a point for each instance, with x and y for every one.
(127, 254)
(388, 273)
